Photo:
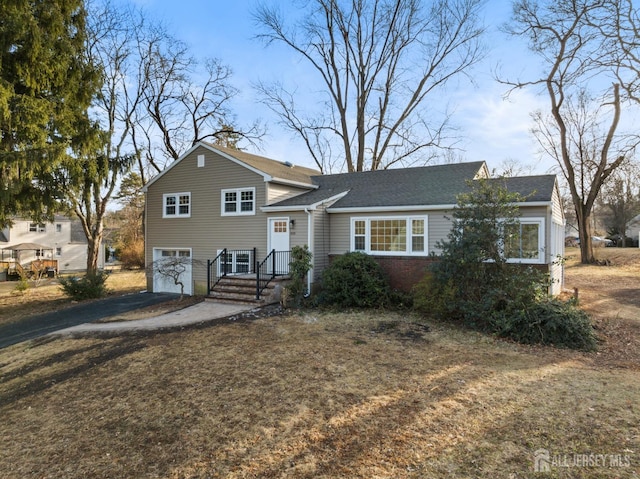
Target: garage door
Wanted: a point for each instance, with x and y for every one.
(170, 264)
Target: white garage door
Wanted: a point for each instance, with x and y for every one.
(171, 264)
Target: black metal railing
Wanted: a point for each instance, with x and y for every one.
(275, 264)
(236, 261)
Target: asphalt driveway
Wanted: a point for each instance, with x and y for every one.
(41, 324)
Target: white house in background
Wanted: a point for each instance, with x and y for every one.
(63, 238)
(633, 229)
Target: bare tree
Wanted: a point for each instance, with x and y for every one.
(381, 63)
(582, 128)
(157, 99)
(620, 199)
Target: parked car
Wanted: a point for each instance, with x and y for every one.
(599, 241)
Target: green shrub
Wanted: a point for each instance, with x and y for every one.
(548, 322)
(431, 298)
(86, 287)
(298, 268)
(354, 279)
(21, 286)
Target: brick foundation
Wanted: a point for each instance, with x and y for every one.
(402, 271)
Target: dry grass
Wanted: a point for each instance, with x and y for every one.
(319, 395)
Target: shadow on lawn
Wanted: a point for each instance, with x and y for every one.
(103, 353)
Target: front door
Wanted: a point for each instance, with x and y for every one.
(279, 240)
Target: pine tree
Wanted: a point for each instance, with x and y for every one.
(46, 87)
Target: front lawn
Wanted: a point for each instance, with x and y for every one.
(327, 395)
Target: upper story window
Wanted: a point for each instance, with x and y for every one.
(176, 205)
(37, 227)
(58, 228)
(389, 235)
(238, 201)
(523, 242)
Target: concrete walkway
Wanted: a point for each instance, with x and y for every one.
(200, 313)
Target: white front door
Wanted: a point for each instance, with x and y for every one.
(279, 240)
(171, 264)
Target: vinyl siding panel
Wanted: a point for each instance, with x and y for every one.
(439, 224)
(534, 211)
(322, 241)
(205, 231)
(556, 208)
(276, 192)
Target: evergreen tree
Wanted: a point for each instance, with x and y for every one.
(46, 87)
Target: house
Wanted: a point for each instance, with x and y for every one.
(61, 242)
(226, 211)
(633, 229)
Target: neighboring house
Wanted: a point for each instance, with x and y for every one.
(214, 198)
(633, 229)
(63, 240)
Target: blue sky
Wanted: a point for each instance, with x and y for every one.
(491, 128)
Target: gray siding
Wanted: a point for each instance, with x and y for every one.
(276, 192)
(439, 224)
(206, 231)
(322, 241)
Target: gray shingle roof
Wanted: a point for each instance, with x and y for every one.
(428, 185)
(532, 188)
(273, 168)
(436, 185)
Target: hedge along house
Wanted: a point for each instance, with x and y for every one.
(227, 212)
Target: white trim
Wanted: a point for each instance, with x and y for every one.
(540, 221)
(177, 196)
(311, 207)
(145, 188)
(238, 202)
(409, 235)
(391, 209)
(283, 181)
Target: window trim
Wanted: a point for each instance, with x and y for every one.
(238, 202)
(408, 232)
(540, 221)
(176, 196)
(37, 228)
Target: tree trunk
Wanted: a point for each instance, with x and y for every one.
(94, 249)
(583, 215)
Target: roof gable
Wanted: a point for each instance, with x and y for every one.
(270, 170)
